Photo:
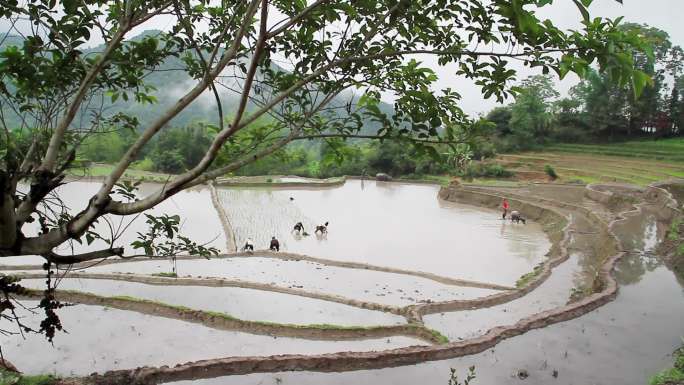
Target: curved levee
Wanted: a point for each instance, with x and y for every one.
(222, 321)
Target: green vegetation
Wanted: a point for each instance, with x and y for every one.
(599, 109)
(548, 169)
(529, 277)
(673, 376)
(316, 160)
(11, 378)
(453, 377)
(673, 231)
(674, 234)
(585, 165)
(436, 336)
(485, 170)
(670, 150)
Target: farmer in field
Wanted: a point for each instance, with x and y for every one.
(249, 245)
(505, 206)
(275, 245)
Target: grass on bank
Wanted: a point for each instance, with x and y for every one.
(100, 170)
(437, 336)
(165, 275)
(670, 150)
(673, 376)
(637, 162)
(529, 277)
(11, 378)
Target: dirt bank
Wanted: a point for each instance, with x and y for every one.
(223, 321)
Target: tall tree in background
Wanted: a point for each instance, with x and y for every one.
(614, 110)
(324, 47)
(531, 113)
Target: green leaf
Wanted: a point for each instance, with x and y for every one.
(582, 8)
(639, 81)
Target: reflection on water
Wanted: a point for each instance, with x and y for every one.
(640, 235)
(641, 232)
(399, 225)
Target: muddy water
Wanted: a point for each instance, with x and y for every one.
(102, 339)
(245, 304)
(367, 285)
(554, 292)
(390, 224)
(624, 342)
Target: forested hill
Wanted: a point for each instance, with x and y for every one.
(170, 84)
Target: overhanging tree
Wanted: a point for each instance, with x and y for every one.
(286, 59)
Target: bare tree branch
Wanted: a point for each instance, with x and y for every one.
(78, 258)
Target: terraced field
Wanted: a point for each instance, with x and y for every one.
(637, 162)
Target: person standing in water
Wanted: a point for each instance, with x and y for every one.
(275, 245)
(505, 206)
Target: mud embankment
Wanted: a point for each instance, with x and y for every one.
(220, 282)
(338, 362)
(222, 321)
(275, 181)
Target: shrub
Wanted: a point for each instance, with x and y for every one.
(486, 170)
(548, 169)
(144, 165)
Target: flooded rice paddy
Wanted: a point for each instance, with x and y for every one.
(366, 285)
(392, 225)
(246, 304)
(389, 224)
(101, 339)
(624, 342)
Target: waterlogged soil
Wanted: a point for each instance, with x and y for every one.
(390, 224)
(247, 304)
(365, 285)
(554, 292)
(624, 342)
(101, 339)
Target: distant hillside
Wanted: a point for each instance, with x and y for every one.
(170, 84)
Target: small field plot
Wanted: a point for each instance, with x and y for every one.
(102, 339)
(246, 304)
(636, 162)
